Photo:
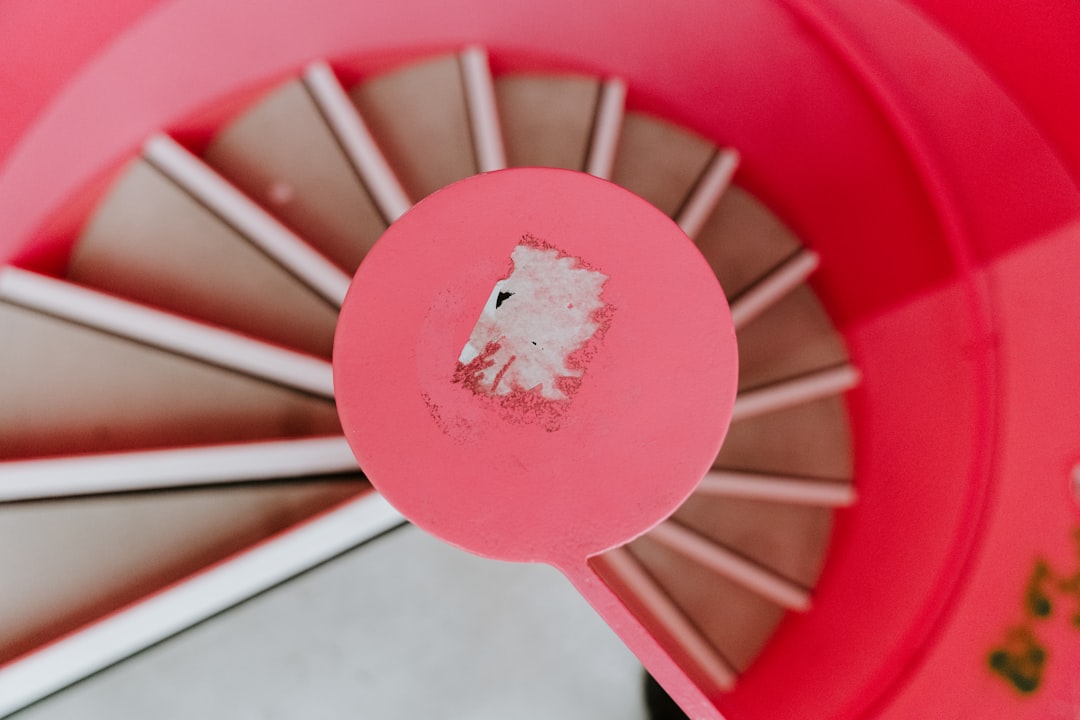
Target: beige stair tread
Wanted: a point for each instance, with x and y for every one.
(546, 119)
(736, 621)
(812, 440)
(793, 337)
(418, 116)
(93, 555)
(67, 389)
(283, 155)
(790, 540)
(659, 161)
(151, 242)
(743, 240)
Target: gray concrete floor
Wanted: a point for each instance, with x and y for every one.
(405, 627)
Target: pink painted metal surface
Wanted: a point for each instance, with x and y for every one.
(633, 372)
(551, 470)
(945, 237)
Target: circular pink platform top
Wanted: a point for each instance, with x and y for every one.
(535, 364)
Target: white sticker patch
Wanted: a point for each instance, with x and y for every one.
(535, 329)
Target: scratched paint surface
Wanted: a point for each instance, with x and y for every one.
(1020, 659)
(537, 331)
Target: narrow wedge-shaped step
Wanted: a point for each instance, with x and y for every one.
(283, 154)
(203, 595)
(736, 621)
(67, 389)
(736, 568)
(93, 555)
(622, 571)
(606, 129)
(743, 240)
(792, 338)
(546, 119)
(808, 440)
(707, 192)
(151, 242)
(172, 468)
(356, 140)
(770, 289)
(418, 115)
(788, 539)
(659, 161)
(777, 488)
(796, 391)
(483, 110)
(248, 218)
(166, 331)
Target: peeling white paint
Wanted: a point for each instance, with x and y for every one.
(532, 324)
